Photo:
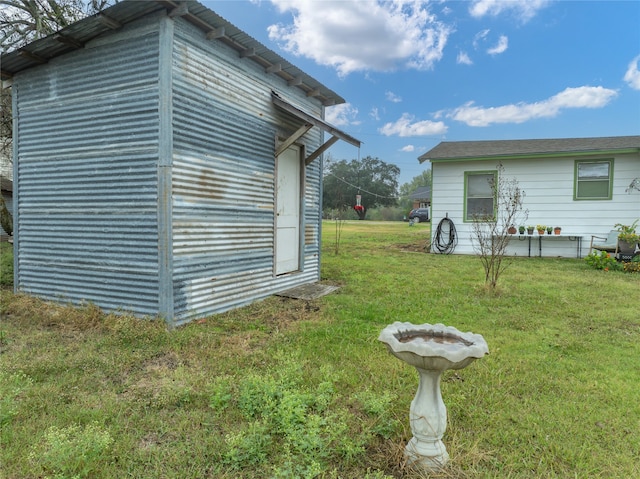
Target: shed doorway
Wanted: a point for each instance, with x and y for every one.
(288, 198)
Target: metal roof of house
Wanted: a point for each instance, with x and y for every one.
(459, 150)
(215, 27)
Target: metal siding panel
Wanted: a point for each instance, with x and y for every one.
(165, 159)
(86, 174)
(223, 180)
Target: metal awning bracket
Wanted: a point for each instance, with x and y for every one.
(293, 138)
(320, 150)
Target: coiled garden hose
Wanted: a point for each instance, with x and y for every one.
(443, 242)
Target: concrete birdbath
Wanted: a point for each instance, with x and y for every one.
(431, 349)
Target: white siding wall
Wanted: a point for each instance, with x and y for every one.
(548, 184)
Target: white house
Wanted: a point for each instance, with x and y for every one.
(582, 185)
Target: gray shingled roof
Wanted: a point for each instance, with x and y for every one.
(215, 27)
(457, 150)
(421, 193)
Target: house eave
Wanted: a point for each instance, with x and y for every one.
(533, 156)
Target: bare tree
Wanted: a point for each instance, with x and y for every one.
(22, 21)
(6, 125)
(491, 231)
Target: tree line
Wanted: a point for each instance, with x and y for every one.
(361, 185)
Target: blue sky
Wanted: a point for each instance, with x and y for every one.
(414, 73)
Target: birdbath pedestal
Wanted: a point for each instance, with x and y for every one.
(431, 349)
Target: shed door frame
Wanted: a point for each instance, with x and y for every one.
(289, 211)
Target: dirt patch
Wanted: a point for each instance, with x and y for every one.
(161, 363)
(417, 247)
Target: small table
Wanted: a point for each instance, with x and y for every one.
(576, 238)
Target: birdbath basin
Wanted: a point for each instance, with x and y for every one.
(431, 349)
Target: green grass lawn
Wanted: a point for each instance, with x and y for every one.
(296, 389)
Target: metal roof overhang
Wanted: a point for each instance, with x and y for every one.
(213, 26)
(309, 121)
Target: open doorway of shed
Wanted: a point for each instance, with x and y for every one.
(289, 171)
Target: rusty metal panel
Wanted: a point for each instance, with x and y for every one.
(225, 128)
(86, 159)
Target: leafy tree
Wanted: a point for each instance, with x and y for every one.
(372, 178)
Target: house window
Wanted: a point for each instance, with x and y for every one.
(593, 180)
(479, 197)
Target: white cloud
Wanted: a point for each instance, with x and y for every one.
(341, 115)
(392, 97)
(480, 37)
(632, 76)
(463, 59)
(362, 35)
(374, 113)
(524, 10)
(581, 97)
(501, 47)
(408, 148)
(481, 40)
(406, 126)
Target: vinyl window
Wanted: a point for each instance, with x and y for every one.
(593, 180)
(479, 194)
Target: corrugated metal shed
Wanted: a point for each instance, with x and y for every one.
(146, 157)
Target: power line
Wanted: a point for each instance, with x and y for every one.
(362, 189)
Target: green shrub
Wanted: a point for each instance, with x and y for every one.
(602, 260)
(632, 266)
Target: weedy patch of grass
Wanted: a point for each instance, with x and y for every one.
(6, 264)
(293, 389)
